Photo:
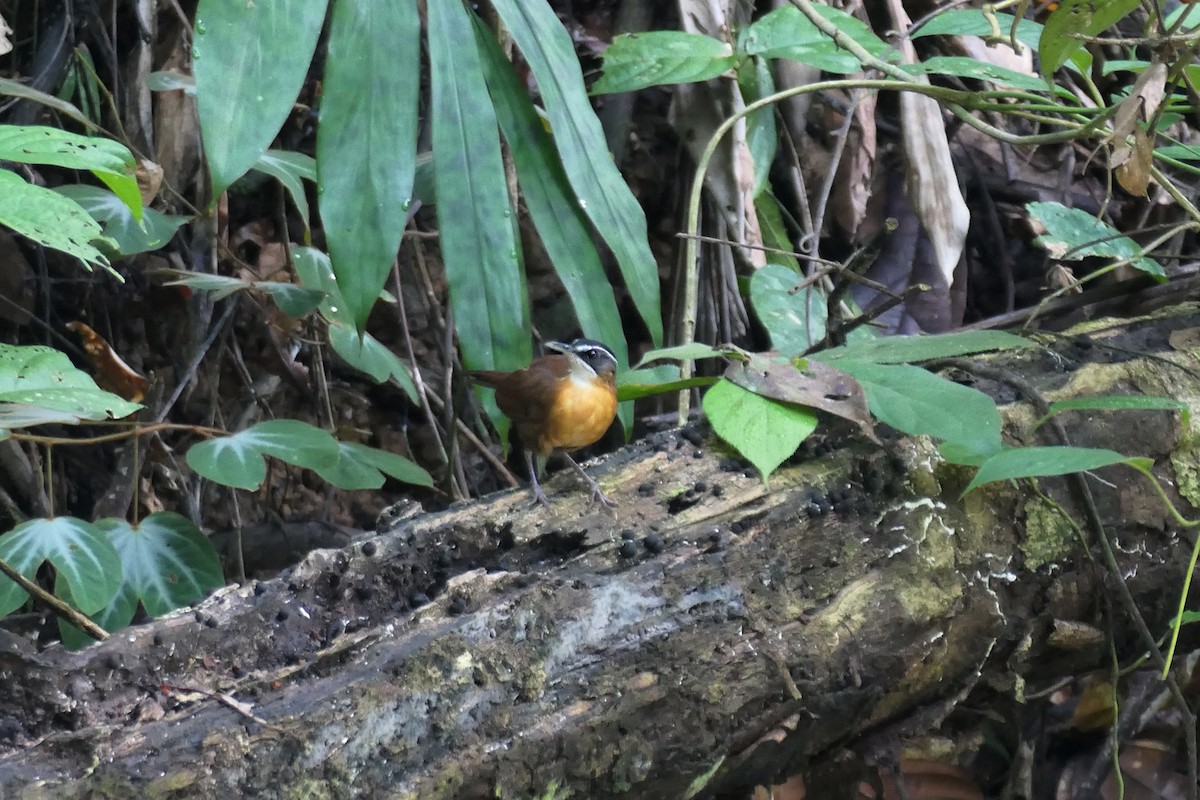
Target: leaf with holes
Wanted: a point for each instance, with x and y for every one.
(39, 385)
(109, 161)
(50, 219)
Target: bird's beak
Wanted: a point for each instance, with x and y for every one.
(558, 347)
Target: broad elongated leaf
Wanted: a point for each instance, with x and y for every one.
(796, 321)
(787, 33)
(12, 88)
(316, 272)
(1071, 20)
(648, 381)
(1034, 462)
(365, 352)
(560, 223)
(130, 236)
(766, 432)
(974, 22)
(908, 349)
(291, 170)
(109, 161)
(362, 467)
(919, 403)
(1118, 403)
(367, 142)
(479, 245)
(237, 460)
(39, 384)
(600, 191)
(756, 82)
(637, 60)
(965, 67)
(50, 219)
(1074, 234)
(80, 552)
(683, 352)
(249, 60)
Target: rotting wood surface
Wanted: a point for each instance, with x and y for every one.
(746, 629)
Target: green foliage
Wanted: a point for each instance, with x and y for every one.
(166, 563)
(129, 235)
(50, 219)
(1073, 234)
(1072, 19)
(1117, 403)
(637, 60)
(1031, 462)
(367, 141)
(40, 385)
(109, 161)
(81, 554)
(913, 349)
(238, 460)
(291, 170)
(249, 62)
(917, 402)
(796, 322)
(765, 431)
(787, 33)
(483, 265)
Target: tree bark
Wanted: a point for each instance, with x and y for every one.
(710, 633)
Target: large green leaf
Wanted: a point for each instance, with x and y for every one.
(291, 170)
(765, 431)
(366, 353)
(12, 88)
(907, 349)
(637, 60)
(367, 142)
(316, 272)
(600, 191)
(238, 460)
(1032, 462)
(362, 467)
(250, 60)
(560, 223)
(787, 33)
(795, 320)
(1123, 402)
(1074, 234)
(478, 235)
(40, 385)
(166, 560)
(917, 402)
(80, 552)
(1073, 21)
(974, 22)
(109, 161)
(130, 235)
(166, 563)
(50, 219)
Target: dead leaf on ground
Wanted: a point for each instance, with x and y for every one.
(112, 373)
(805, 383)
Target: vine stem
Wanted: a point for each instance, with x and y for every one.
(958, 102)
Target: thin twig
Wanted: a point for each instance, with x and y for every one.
(57, 606)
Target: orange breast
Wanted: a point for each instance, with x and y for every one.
(579, 416)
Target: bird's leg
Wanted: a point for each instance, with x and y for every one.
(539, 497)
(593, 487)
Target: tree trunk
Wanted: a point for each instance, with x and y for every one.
(710, 633)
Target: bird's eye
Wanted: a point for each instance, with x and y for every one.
(591, 354)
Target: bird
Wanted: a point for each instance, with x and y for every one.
(559, 403)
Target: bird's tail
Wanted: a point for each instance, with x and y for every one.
(487, 377)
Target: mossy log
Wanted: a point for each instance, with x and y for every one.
(710, 633)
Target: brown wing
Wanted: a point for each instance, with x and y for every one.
(526, 395)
